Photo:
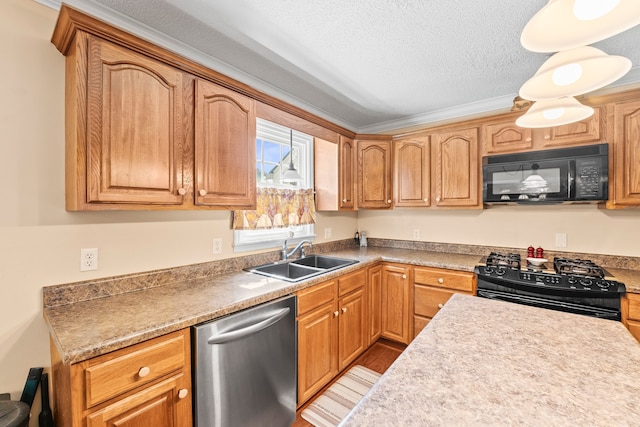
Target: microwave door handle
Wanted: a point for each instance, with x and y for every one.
(571, 180)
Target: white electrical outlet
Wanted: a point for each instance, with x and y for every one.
(88, 259)
(561, 240)
(416, 234)
(217, 245)
(327, 233)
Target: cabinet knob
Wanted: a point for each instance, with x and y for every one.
(426, 200)
(336, 313)
(438, 199)
(203, 192)
(528, 139)
(547, 137)
(388, 200)
(404, 276)
(440, 305)
(183, 393)
(344, 200)
(182, 191)
(344, 309)
(144, 371)
(440, 280)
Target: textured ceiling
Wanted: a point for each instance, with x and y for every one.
(368, 65)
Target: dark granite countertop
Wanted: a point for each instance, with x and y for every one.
(86, 321)
(85, 329)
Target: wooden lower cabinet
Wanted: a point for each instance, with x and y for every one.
(374, 286)
(317, 348)
(432, 288)
(147, 384)
(631, 314)
(332, 330)
(396, 296)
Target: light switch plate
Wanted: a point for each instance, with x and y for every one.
(561, 240)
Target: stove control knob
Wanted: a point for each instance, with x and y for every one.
(586, 282)
(603, 284)
(501, 270)
(488, 270)
(572, 280)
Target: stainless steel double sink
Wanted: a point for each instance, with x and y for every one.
(301, 268)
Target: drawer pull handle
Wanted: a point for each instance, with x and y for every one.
(336, 313)
(440, 280)
(440, 305)
(344, 309)
(203, 192)
(404, 276)
(182, 191)
(144, 371)
(183, 393)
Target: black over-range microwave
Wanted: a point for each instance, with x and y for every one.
(576, 174)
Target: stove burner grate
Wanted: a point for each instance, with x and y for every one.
(496, 259)
(578, 267)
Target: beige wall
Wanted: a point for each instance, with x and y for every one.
(40, 242)
(588, 228)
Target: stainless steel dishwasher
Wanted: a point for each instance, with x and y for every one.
(244, 367)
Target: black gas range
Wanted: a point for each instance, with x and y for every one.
(564, 284)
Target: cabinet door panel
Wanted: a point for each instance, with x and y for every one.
(375, 303)
(134, 127)
(352, 328)
(412, 172)
(456, 168)
(503, 136)
(157, 406)
(317, 350)
(225, 148)
(581, 132)
(395, 303)
(346, 175)
(627, 154)
(374, 174)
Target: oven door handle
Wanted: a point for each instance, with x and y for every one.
(550, 304)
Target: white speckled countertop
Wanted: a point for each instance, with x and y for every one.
(491, 363)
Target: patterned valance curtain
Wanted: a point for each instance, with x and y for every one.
(277, 208)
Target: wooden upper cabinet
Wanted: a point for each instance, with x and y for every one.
(346, 173)
(456, 168)
(589, 130)
(225, 147)
(326, 174)
(502, 135)
(134, 137)
(625, 151)
(374, 174)
(412, 170)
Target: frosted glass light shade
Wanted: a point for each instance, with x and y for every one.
(556, 27)
(554, 112)
(574, 72)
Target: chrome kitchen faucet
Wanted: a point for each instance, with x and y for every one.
(286, 255)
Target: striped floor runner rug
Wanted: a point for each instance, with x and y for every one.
(332, 406)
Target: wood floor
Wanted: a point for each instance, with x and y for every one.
(377, 358)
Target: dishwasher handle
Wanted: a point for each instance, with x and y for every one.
(248, 330)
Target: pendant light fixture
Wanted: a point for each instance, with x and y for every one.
(554, 112)
(291, 175)
(566, 24)
(574, 72)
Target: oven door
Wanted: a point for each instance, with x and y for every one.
(542, 302)
(538, 181)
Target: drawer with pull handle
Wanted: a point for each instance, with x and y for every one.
(428, 301)
(458, 280)
(110, 375)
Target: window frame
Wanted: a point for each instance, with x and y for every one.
(251, 240)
